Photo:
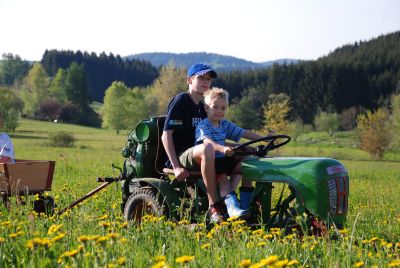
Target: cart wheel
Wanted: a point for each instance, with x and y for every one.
(45, 204)
(144, 201)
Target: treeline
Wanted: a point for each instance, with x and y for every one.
(101, 70)
(354, 77)
(362, 75)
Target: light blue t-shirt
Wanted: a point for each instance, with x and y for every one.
(226, 130)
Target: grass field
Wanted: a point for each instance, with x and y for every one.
(94, 234)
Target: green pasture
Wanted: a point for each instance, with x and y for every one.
(94, 234)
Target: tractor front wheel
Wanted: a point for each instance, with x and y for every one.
(144, 201)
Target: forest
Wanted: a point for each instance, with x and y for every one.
(356, 76)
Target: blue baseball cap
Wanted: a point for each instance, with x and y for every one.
(200, 69)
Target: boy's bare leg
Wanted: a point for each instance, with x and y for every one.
(205, 153)
(235, 180)
(224, 186)
(237, 175)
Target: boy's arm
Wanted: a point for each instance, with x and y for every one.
(226, 150)
(180, 172)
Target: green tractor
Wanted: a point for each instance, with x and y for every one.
(312, 191)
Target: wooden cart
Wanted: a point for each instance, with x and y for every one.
(27, 177)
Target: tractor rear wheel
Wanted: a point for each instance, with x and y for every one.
(144, 201)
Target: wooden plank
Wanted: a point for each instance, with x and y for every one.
(31, 176)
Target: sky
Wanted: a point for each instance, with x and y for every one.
(254, 30)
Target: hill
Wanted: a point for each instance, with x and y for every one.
(219, 62)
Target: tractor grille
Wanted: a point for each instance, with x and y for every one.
(338, 195)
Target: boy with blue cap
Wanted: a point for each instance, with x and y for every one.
(185, 111)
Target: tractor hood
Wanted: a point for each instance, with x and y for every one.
(321, 184)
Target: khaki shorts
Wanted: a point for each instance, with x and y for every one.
(187, 160)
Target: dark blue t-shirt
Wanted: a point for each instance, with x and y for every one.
(183, 116)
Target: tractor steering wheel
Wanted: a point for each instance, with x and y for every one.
(262, 150)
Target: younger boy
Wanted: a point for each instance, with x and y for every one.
(215, 130)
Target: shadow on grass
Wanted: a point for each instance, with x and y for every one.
(21, 136)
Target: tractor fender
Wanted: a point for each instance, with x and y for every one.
(164, 187)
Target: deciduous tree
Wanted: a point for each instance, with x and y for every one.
(10, 108)
(328, 122)
(35, 90)
(172, 80)
(276, 113)
(114, 112)
(375, 132)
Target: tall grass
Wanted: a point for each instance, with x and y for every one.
(94, 234)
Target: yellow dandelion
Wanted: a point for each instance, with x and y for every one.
(292, 262)
(258, 232)
(105, 224)
(184, 259)
(261, 244)
(86, 238)
(204, 246)
(2, 239)
(373, 239)
(394, 263)
(123, 224)
(102, 240)
(121, 260)
(198, 235)
(291, 236)
(104, 217)
(170, 223)
(241, 222)
(123, 240)
(281, 263)
(58, 237)
(234, 218)
(275, 231)
(160, 258)
(255, 265)
(71, 253)
(245, 263)
(270, 260)
(210, 235)
(14, 235)
(5, 223)
(359, 264)
(112, 235)
(268, 236)
(36, 242)
(183, 222)
(160, 264)
(54, 228)
(249, 245)
(344, 231)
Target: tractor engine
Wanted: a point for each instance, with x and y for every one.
(140, 152)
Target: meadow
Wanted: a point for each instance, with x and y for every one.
(94, 233)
